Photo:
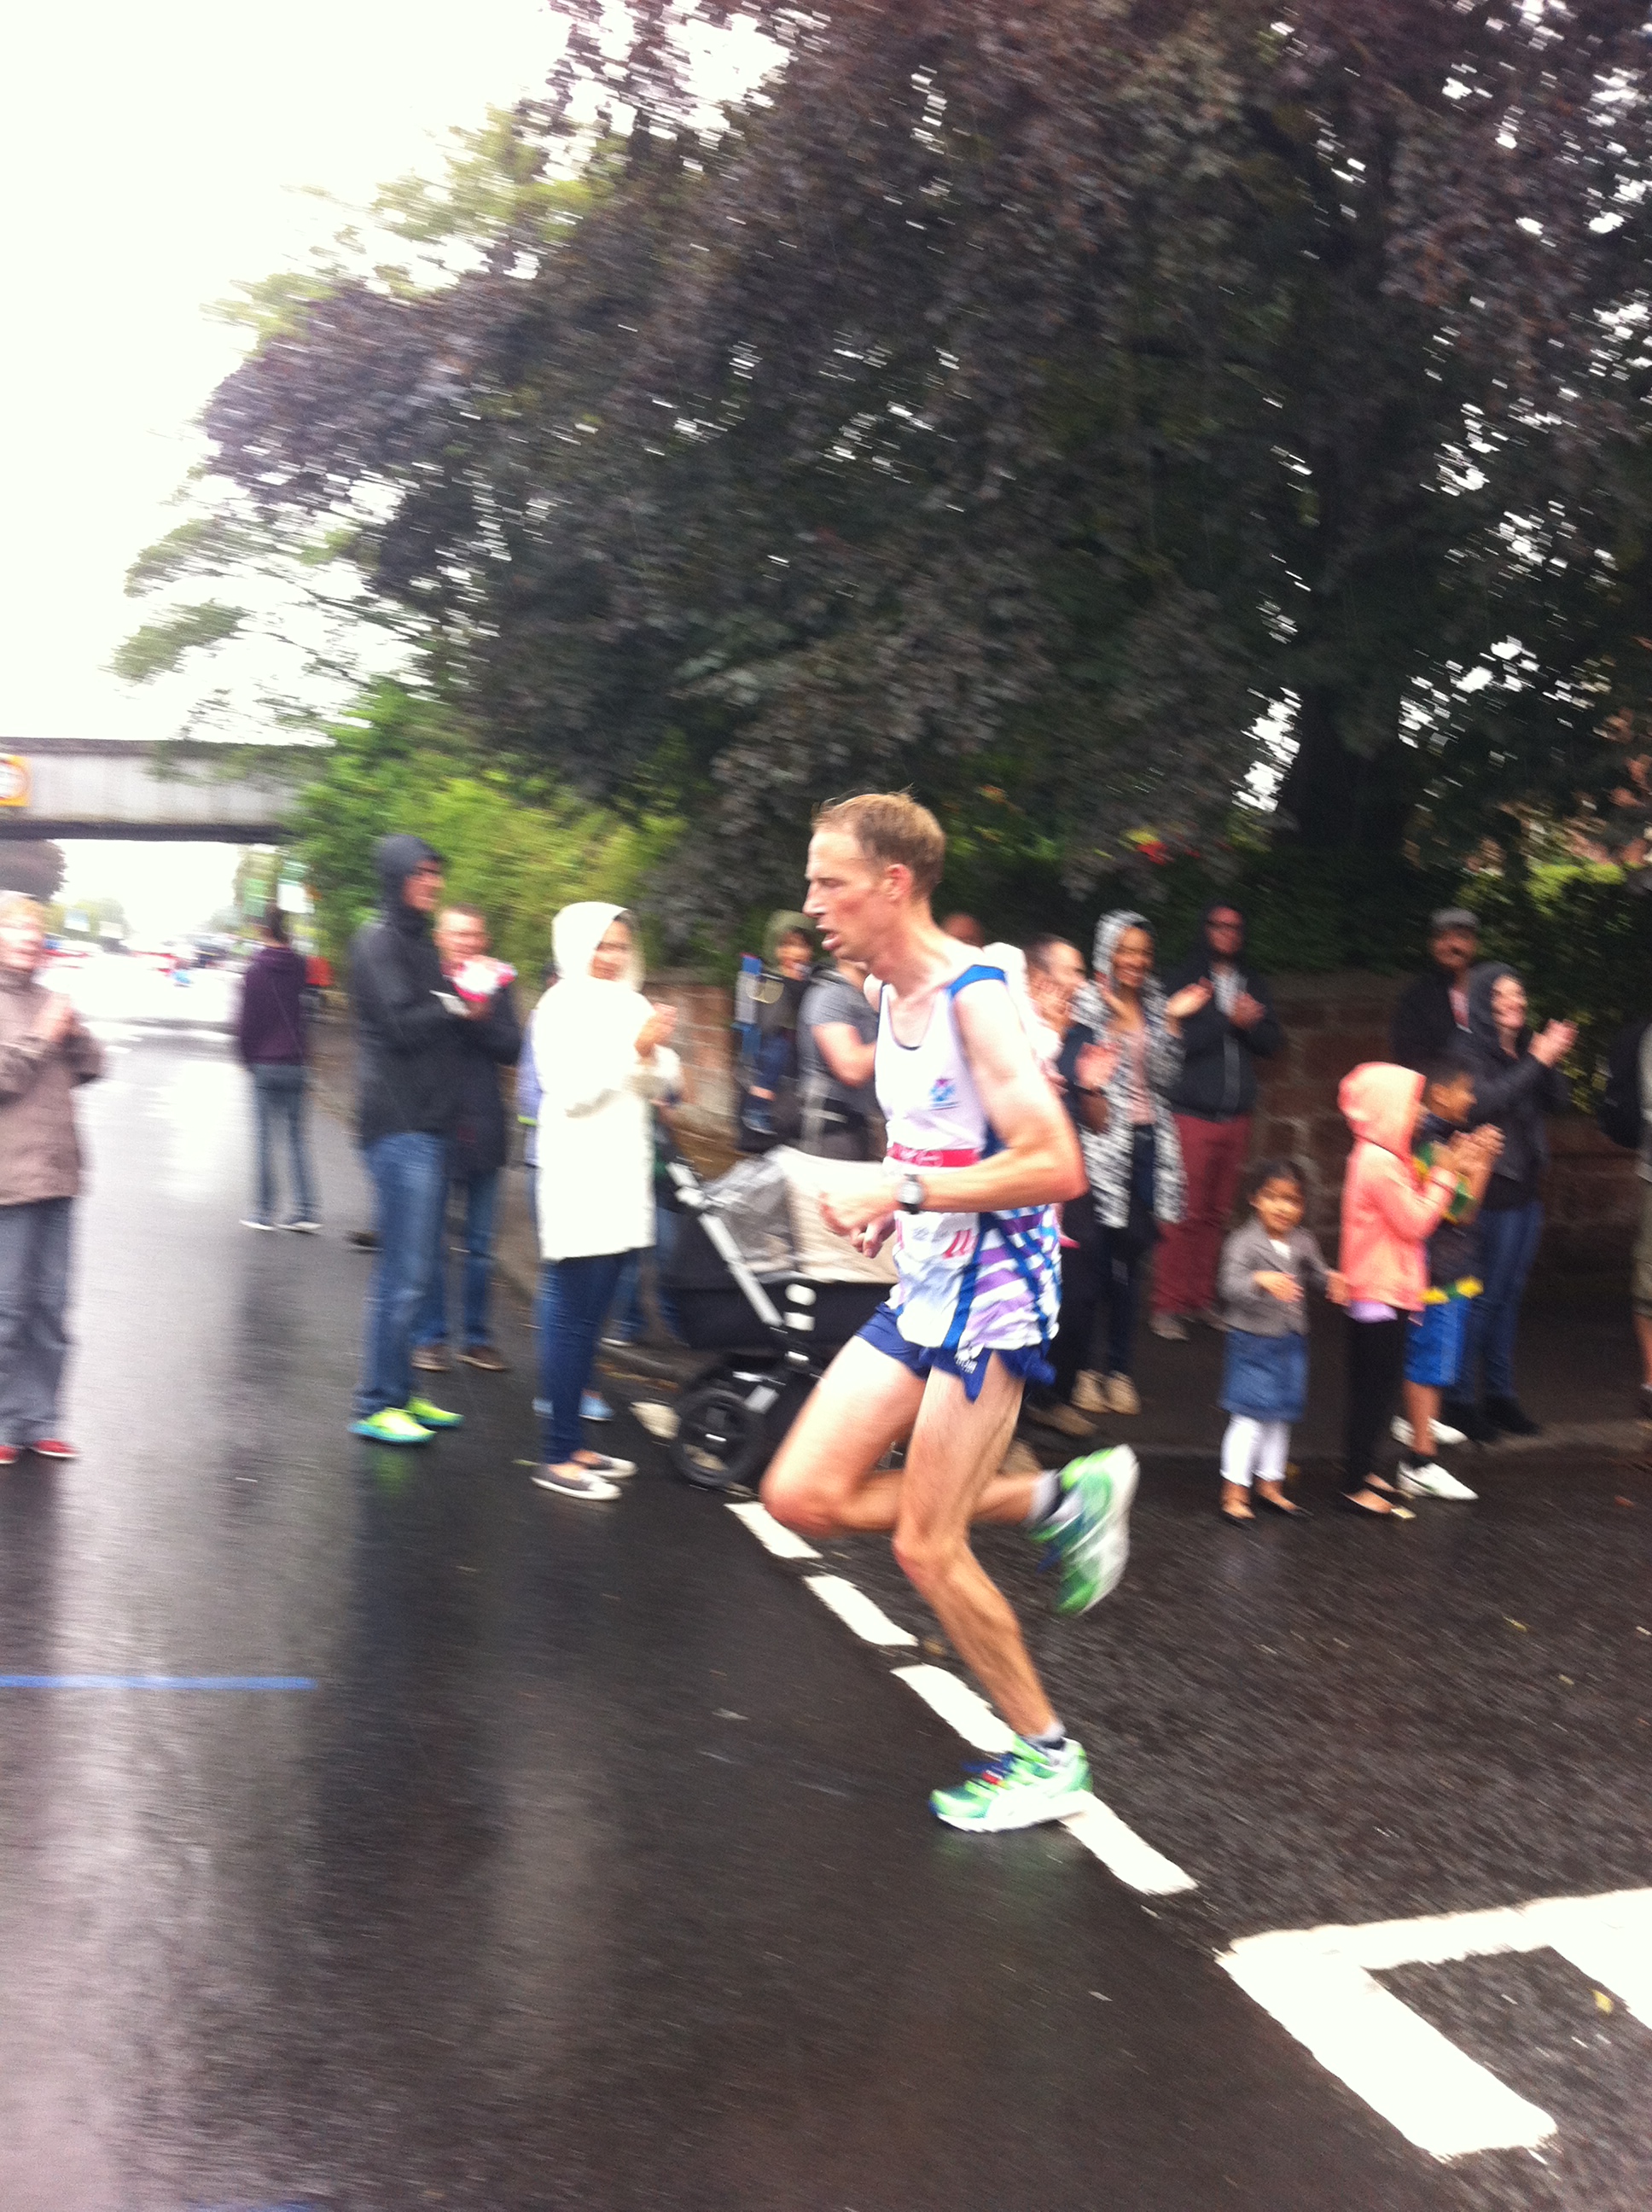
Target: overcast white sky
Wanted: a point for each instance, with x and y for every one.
(150, 157)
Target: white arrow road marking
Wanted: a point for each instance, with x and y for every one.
(1317, 1984)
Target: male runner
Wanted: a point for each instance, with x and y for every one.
(981, 1150)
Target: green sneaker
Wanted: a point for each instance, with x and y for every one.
(394, 1426)
(1090, 1531)
(1020, 1788)
(432, 1417)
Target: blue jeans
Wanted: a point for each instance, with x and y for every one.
(34, 1296)
(629, 1319)
(481, 1198)
(280, 1091)
(409, 1175)
(1509, 1241)
(575, 1295)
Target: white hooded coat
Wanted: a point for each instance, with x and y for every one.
(596, 1143)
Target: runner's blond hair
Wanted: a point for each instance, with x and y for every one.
(892, 828)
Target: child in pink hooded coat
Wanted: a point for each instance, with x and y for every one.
(1386, 1224)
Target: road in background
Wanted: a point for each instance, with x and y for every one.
(595, 1870)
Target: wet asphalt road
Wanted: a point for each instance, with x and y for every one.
(594, 1871)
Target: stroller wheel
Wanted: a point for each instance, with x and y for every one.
(720, 1443)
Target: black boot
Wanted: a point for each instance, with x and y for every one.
(1463, 1413)
(1507, 1415)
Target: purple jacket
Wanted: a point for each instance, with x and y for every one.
(271, 1027)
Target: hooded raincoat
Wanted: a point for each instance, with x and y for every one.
(771, 1063)
(1107, 1156)
(1512, 1091)
(596, 1142)
(1386, 1220)
(407, 1040)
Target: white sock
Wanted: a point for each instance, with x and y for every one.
(1047, 1496)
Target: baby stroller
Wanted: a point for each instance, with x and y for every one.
(756, 1276)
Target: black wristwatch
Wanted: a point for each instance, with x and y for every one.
(909, 1193)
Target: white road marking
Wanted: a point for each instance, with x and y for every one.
(1124, 1853)
(770, 1535)
(1098, 1828)
(960, 1707)
(1317, 1984)
(856, 1610)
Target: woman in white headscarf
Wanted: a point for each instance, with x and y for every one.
(1126, 1041)
(601, 1054)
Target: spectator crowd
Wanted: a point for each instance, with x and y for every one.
(1442, 1210)
(1441, 1207)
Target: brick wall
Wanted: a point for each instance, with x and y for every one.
(1331, 1023)
(704, 1042)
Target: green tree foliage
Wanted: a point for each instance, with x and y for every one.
(1016, 406)
(398, 764)
(157, 648)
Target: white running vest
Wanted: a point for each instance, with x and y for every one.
(967, 1282)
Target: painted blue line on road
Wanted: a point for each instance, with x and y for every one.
(158, 1682)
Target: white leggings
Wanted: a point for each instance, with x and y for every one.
(1262, 1444)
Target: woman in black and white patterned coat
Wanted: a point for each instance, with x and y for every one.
(1126, 1042)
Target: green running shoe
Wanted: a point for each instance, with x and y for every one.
(393, 1425)
(1090, 1531)
(1019, 1788)
(432, 1417)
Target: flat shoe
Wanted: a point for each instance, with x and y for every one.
(1239, 1520)
(1365, 1512)
(604, 1463)
(1285, 1509)
(484, 1357)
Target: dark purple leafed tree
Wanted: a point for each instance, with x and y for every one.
(1018, 404)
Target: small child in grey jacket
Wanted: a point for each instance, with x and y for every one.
(1266, 1266)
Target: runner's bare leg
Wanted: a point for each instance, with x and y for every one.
(821, 1483)
(824, 1479)
(952, 1461)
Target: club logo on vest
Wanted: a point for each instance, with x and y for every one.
(944, 1091)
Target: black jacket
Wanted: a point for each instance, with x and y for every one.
(407, 1041)
(1515, 1092)
(1424, 1027)
(492, 1041)
(1218, 1081)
